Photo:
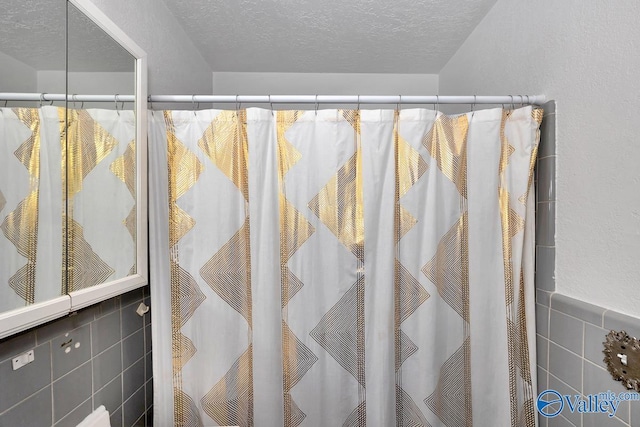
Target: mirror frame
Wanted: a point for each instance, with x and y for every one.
(23, 318)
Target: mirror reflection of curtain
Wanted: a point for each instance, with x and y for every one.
(100, 220)
(343, 267)
(32, 201)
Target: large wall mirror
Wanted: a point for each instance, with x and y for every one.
(73, 201)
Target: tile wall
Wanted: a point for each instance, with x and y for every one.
(100, 355)
(570, 333)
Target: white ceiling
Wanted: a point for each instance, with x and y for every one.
(333, 36)
(322, 36)
(33, 32)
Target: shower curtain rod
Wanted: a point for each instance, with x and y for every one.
(285, 99)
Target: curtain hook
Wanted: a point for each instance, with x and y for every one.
(399, 103)
(358, 102)
(193, 105)
(5, 103)
(73, 99)
(237, 103)
(116, 102)
(521, 100)
(437, 104)
(42, 98)
(316, 105)
(271, 104)
(513, 107)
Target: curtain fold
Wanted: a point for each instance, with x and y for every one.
(342, 267)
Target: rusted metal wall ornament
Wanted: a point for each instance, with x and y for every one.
(622, 356)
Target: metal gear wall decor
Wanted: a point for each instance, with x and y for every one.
(622, 356)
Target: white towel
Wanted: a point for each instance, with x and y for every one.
(98, 418)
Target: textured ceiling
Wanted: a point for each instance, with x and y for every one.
(33, 31)
(339, 36)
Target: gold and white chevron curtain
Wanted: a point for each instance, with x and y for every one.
(343, 268)
(64, 198)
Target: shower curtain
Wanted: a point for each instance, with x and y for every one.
(343, 268)
(96, 192)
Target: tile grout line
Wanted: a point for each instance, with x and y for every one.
(53, 411)
(70, 411)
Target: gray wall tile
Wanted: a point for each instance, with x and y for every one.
(71, 390)
(580, 309)
(132, 348)
(542, 380)
(596, 380)
(148, 344)
(133, 408)
(543, 297)
(36, 411)
(64, 362)
(106, 366)
(566, 331)
(621, 322)
(593, 339)
(148, 391)
(110, 395)
(108, 306)
(601, 420)
(558, 385)
(565, 365)
(74, 417)
(148, 366)
(99, 330)
(26, 380)
(131, 321)
(549, 107)
(17, 344)
(147, 317)
(542, 320)
(547, 136)
(116, 418)
(149, 416)
(559, 421)
(545, 268)
(63, 325)
(542, 347)
(130, 297)
(132, 379)
(105, 332)
(546, 223)
(635, 413)
(546, 179)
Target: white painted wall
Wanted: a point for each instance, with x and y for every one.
(16, 76)
(227, 83)
(585, 56)
(175, 65)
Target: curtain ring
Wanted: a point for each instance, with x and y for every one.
(73, 99)
(42, 98)
(237, 103)
(116, 102)
(437, 104)
(513, 107)
(399, 103)
(316, 104)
